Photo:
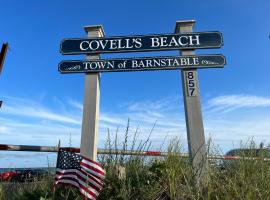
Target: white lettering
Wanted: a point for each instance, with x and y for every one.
(113, 44)
(101, 65)
(183, 61)
(138, 42)
(163, 41)
(128, 44)
(149, 63)
(120, 43)
(155, 42)
(196, 39)
(196, 61)
(95, 46)
(170, 61)
(103, 43)
(175, 62)
(82, 45)
(163, 62)
(157, 62)
(86, 65)
(181, 42)
(141, 64)
(110, 64)
(93, 65)
(173, 42)
(134, 64)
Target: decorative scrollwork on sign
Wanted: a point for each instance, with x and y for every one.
(74, 67)
(207, 62)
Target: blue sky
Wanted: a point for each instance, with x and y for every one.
(42, 106)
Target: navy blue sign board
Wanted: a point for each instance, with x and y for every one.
(142, 64)
(200, 40)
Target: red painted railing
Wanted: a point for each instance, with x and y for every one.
(7, 147)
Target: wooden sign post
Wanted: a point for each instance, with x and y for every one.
(2, 59)
(91, 103)
(193, 113)
(3, 55)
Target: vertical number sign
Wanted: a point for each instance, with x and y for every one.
(191, 87)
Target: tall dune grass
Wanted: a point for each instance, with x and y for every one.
(158, 178)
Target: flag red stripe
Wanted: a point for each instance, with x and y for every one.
(92, 161)
(79, 185)
(93, 170)
(82, 174)
(96, 185)
(93, 165)
(59, 177)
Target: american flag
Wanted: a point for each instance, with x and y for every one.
(75, 170)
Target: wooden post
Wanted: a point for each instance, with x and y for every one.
(3, 55)
(193, 114)
(91, 103)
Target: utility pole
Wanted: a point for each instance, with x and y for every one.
(3, 55)
(2, 59)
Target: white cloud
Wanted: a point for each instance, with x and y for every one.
(109, 118)
(76, 104)
(27, 122)
(229, 103)
(163, 104)
(34, 109)
(4, 129)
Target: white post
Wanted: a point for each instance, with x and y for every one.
(90, 119)
(193, 113)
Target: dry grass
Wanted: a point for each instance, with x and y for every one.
(158, 179)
